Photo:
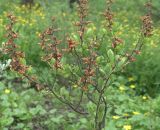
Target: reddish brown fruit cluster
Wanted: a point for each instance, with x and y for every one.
(147, 25)
(11, 49)
(109, 15)
(137, 52)
(49, 44)
(89, 71)
(130, 57)
(82, 12)
(83, 8)
(116, 41)
(147, 22)
(71, 44)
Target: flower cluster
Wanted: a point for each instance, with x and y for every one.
(147, 27)
(127, 127)
(49, 44)
(11, 48)
(130, 57)
(109, 14)
(89, 70)
(82, 12)
(116, 41)
(82, 9)
(71, 44)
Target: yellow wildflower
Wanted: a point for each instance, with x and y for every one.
(7, 91)
(75, 86)
(122, 88)
(144, 97)
(136, 113)
(127, 127)
(115, 117)
(132, 86)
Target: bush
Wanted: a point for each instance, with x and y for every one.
(82, 67)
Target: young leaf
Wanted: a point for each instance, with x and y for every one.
(110, 55)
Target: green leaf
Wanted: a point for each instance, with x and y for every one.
(110, 126)
(83, 120)
(110, 56)
(52, 111)
(122, 62)
(89, 32)
(20, 126)
(99, 59)
(2, 85)
(102, 71)
(100, 82)
(90, 107)
(71, 115)
(75, 37)
(6, 121)
(64, 92)
(108, 68)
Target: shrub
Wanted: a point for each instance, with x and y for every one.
(84, 66)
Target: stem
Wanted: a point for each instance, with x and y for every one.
(99, 125)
